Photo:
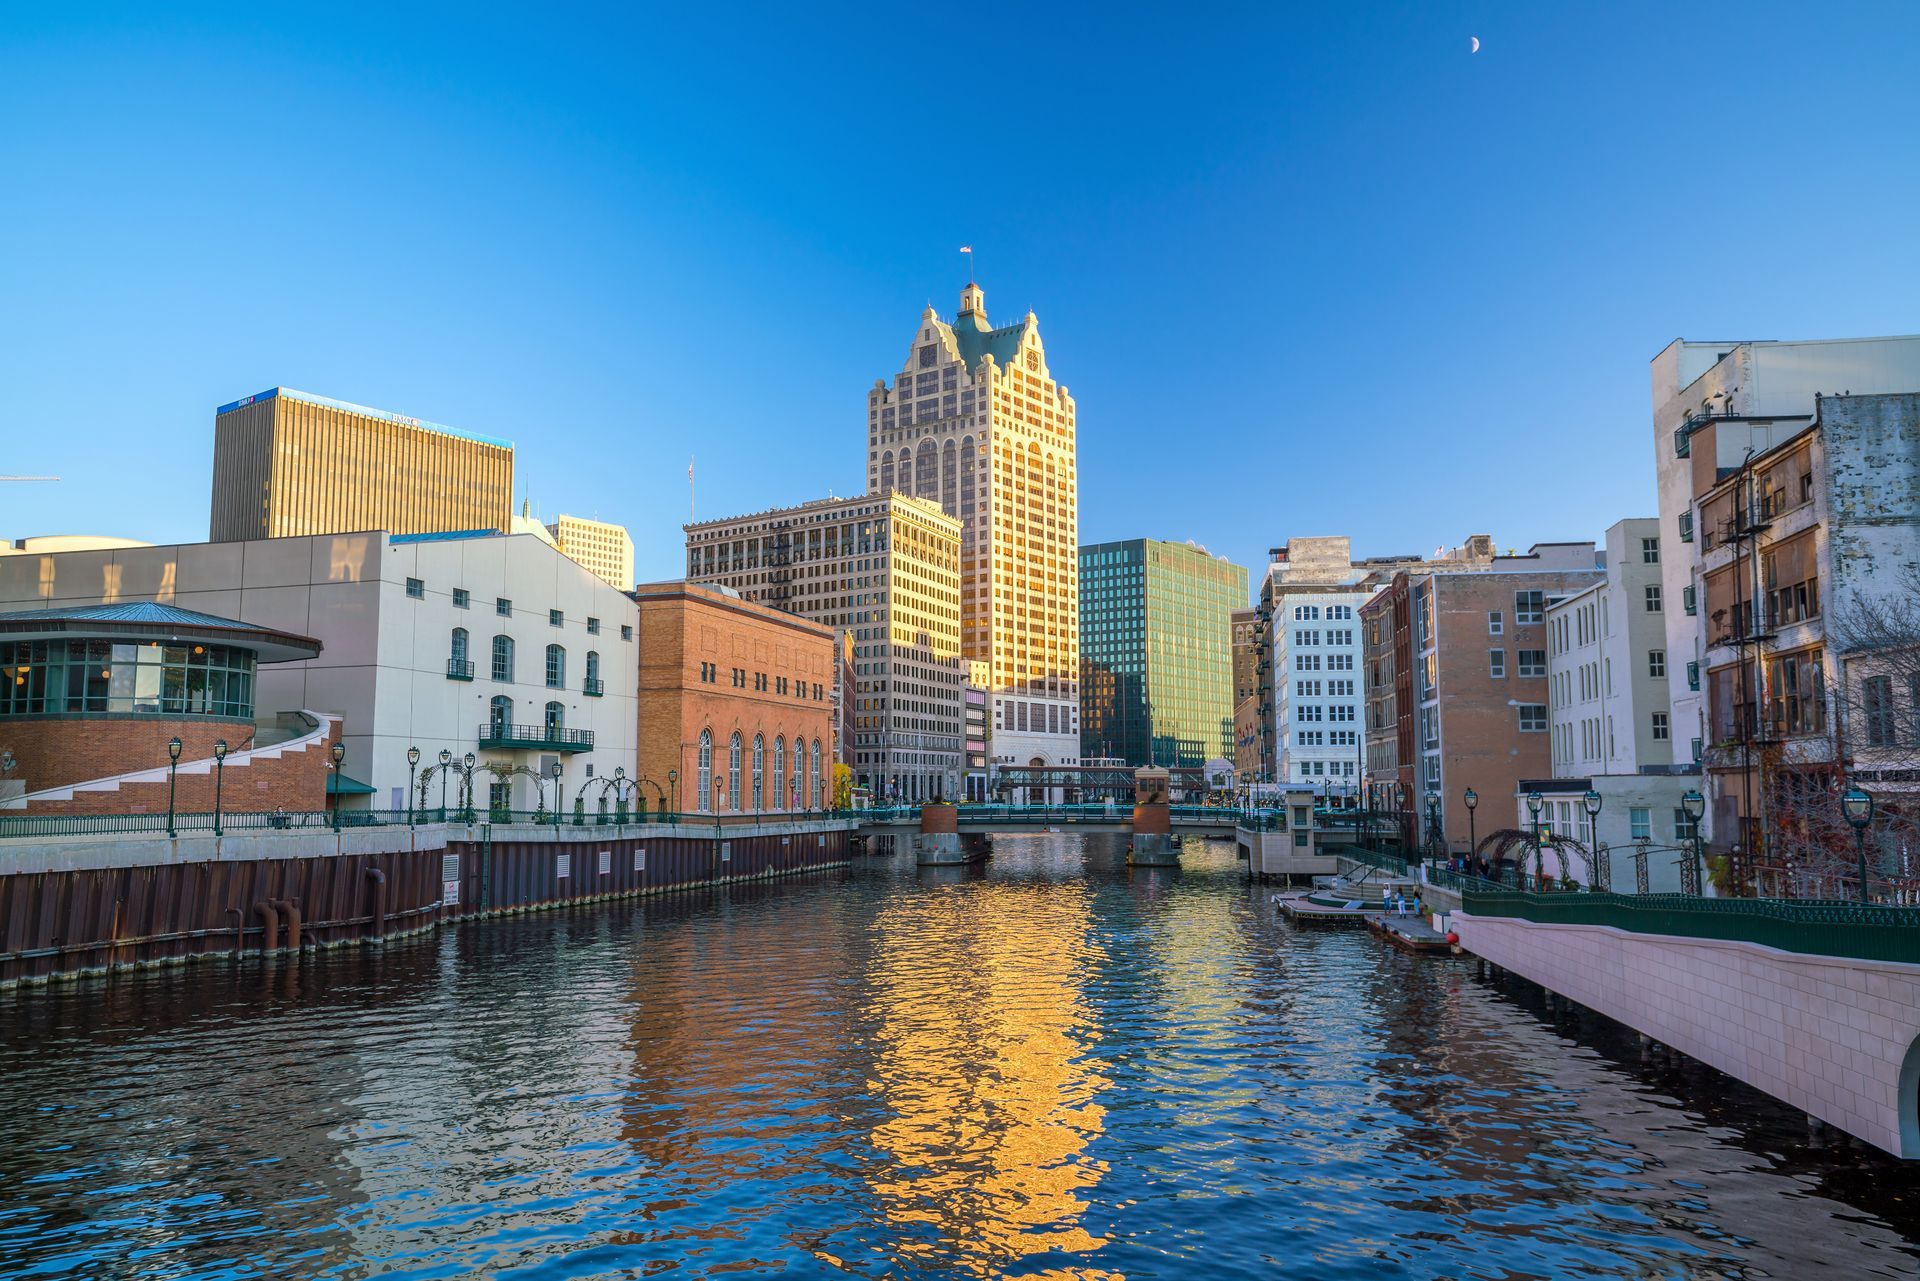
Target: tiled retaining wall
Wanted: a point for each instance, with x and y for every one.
(1835, 1037)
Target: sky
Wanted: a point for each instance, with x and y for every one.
(1305, 272)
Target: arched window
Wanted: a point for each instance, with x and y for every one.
(949, 481)
(556, 667)
(457, 647)
(733, 773)
(799, 798)
(966, 473)
(779, 773)
(759, 773)
(593, 670)
(886, 472)
(814, 776)
(503, 658)
(556, 718)
(500, 714)
(704, 797)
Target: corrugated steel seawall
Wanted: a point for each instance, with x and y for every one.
(519, 876)
(65, 923)
(58, 924)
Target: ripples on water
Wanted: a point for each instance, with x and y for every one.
(1052, 1068)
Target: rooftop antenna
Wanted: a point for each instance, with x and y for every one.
(690, 516)
(968, 251)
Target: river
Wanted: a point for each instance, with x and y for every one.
(1051, 1067)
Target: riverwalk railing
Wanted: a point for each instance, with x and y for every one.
(1818, 927)
(32, 826)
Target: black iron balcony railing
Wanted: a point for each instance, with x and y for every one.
(549, 738)
(594, 687)
(459, 669)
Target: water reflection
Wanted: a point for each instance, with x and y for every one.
(981, 1062)
(1056, 1067)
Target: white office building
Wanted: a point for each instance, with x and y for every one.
(1317, 692)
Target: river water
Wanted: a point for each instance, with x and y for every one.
(1050, 1068)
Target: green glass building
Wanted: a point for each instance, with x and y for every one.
(1156, 652)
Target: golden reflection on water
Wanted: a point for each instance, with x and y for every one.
(983, 1060)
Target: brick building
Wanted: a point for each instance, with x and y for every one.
(735, 704)
(1470, 674)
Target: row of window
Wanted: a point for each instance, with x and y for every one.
(502, 661)
(786, 788)
(503, 606)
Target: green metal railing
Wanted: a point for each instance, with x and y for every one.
(1815, 927)
(27, 827)
(1094, 812)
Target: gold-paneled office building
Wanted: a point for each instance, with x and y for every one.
(976, 422)
(886, 569)
(286, 463)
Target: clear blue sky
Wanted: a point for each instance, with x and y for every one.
(1305, 273)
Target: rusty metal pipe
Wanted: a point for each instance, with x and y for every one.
(269, 925)
(289, 909)
(379, 880)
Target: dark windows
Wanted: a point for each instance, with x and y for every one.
(1529, 607)
(555, 618)
(462, 599)
(416, 589)
(556, 667)
(503, 658)
(503, 607)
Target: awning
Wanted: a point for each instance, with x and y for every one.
(339, 784)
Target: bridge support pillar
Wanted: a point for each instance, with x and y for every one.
(938, 844)
(1154, 844)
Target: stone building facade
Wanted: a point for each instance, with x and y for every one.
(885, 567)
(976, 422)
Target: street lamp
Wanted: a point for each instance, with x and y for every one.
(446, 767)
(1696, 807)
(1857, 804)
(558, 792)
(466, 787)
(219, 768)
(413, 764)
(1598, 868)
(1534, 802)
(620, 794)
(1433, 821)
(673, 789)
(1472, 799)
(173, 765)
(338, 752)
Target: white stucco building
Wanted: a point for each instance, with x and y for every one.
(493, 644)
(1607, 663)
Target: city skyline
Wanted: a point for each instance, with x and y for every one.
(1280, 255)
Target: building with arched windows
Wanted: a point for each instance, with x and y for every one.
(498, 645)
(885, 570)
(735, 703)
(976, 422)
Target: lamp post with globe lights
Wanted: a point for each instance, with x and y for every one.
(413, 765)
(219, 769)
(173, 767)
(1695, 806)
(1534, 802)
(1857, 804)
(1472, 800)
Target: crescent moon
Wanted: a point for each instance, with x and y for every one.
(1476, 44)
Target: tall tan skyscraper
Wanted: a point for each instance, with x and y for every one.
(976, 422)
(286, 463)
(605, 549)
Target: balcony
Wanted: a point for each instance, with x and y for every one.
(459, 669)
(593, 687)
(539, 738)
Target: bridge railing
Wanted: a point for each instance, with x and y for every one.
(1093, 812)
(203, 823)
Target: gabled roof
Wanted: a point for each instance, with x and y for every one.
(153, 621)
(1003, 343)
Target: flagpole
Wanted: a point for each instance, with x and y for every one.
(690, 516)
